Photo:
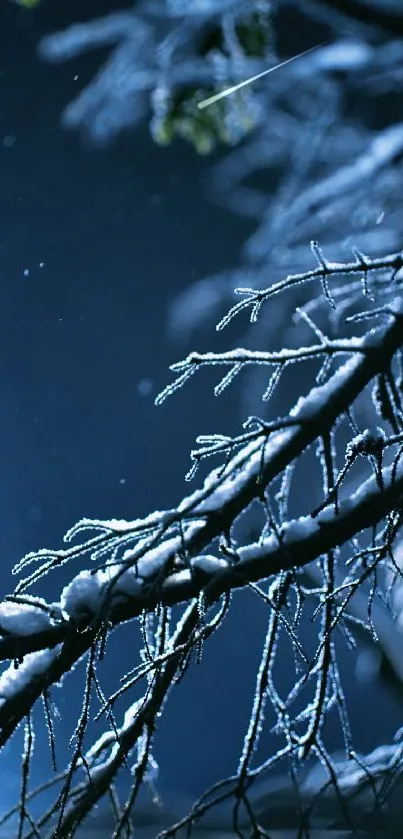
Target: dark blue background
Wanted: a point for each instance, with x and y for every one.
(93, 247)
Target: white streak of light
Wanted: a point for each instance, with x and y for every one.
(234, 88)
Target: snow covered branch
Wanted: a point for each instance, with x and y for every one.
(191, 555)
(328, 557)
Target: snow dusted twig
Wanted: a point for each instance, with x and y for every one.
(362, 265)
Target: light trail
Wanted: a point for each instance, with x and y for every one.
(212, 99)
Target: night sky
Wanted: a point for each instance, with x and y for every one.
(94, 245)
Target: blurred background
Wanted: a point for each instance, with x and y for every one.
(117, 257)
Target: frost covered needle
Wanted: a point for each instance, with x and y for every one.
(217, 96)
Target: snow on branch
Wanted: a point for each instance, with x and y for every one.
(190, 555)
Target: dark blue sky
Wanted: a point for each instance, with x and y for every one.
(93, 247)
